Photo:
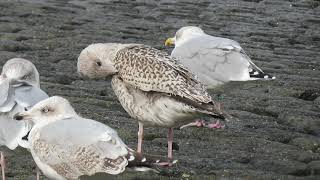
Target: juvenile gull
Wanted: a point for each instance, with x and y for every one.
(67, 146)
(19, 91)
(214, 60)
(150, 85)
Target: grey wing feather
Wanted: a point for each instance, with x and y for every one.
(11, 132)
(21, 93)
(215, 60)
(27, 96)
(4, 91)
(252, 65)
(18, 97)
(8, 105)
(152, 70)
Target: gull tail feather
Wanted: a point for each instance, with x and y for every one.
(260, 75)
(147, 162)
(214, 109)
(255, 72)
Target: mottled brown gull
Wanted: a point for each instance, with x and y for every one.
(19, 91)
(150, 85)
(67, 146)
(214, 60)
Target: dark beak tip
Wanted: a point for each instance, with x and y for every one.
(18, 117)
(81, 74)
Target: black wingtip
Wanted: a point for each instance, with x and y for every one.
(218, 116)
(260, 75)
(142, 162)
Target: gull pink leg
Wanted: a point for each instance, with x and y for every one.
(216, 125)
(3, 165)
(201, 123)
(197, 123)
(170, 156)
(38, 173)
(140, 138)
(170, 140)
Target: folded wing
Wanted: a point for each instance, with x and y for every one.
(149, 69)
(78, 146)
(216, 60)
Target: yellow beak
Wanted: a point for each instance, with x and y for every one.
(169, 41)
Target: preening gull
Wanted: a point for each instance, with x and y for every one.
(214, 60)
(19, 91)
(67, 146)
(150, 85)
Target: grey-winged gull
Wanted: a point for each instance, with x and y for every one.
(214, 60)
(67, 146)
(150, 85)
(19, 91)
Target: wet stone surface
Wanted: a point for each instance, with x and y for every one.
(276, 134)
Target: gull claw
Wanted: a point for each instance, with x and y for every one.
(197, 123)
(216, 125)
(201, 123)
(166, 164)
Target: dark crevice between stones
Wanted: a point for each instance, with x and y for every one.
(309, 94)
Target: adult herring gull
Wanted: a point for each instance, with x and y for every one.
(67, 146)
(214, 60)
(150, 85)
(19, 91)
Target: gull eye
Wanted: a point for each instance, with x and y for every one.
(98, 63)
(45, 110)
(25, 77)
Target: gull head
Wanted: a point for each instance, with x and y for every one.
(183, 34)
(96, 60)
(20, 69)
(52, 109)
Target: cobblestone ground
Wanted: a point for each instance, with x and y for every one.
(277, 132)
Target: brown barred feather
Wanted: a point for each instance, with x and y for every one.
(150, 69)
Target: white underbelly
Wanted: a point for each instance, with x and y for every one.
(166, 112)
(151, 108)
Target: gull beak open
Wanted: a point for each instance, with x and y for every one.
(21, 116)
(170, 41)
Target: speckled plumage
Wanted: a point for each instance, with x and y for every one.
(154, 108)
(71, 147)
(152, 70)
(150, 85)
(67, 146)
(70, 162)
(145, 74)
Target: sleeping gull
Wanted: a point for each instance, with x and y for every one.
(214, 60)
(150, 85)
(67, 146)
(19, 91)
